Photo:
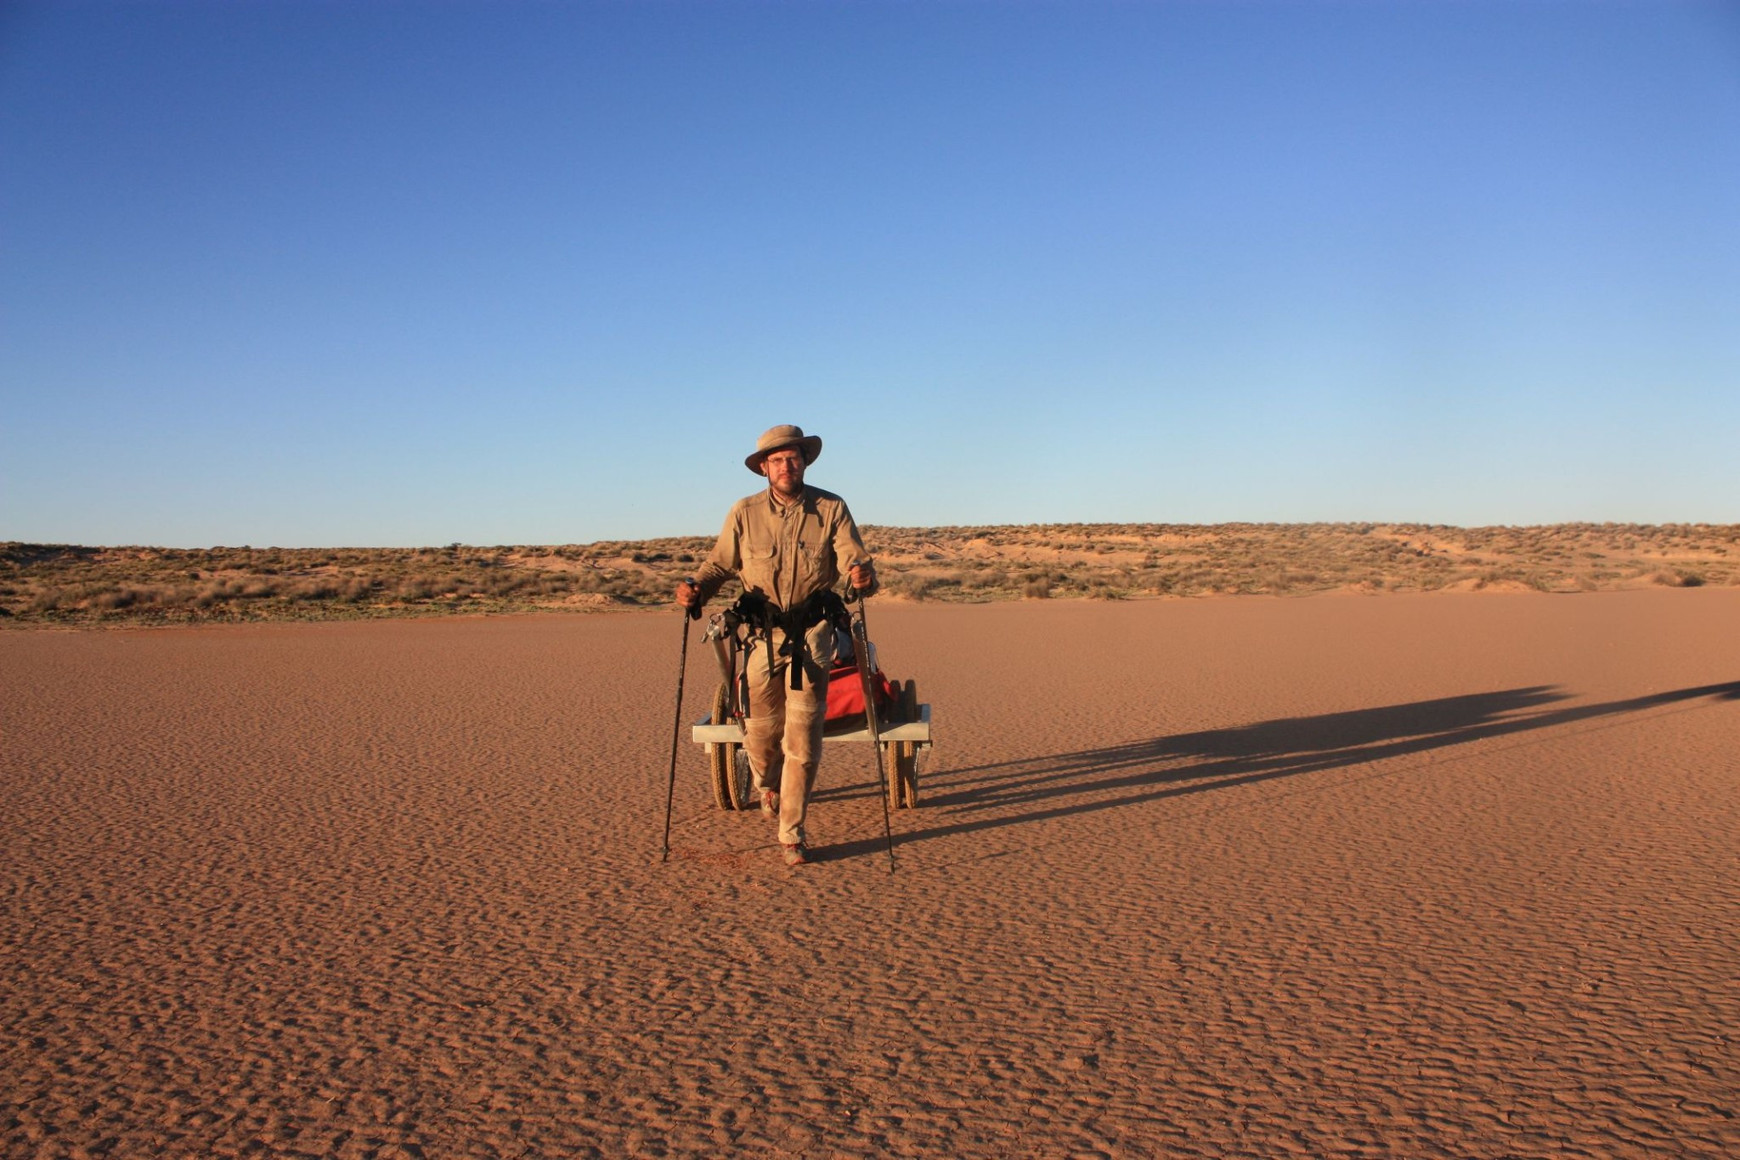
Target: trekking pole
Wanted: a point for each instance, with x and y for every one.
(689, 614)
(861, 653)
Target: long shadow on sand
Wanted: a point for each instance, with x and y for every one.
(1056, 785)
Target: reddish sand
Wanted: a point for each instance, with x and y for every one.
(1398, 876)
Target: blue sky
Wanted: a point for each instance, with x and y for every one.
(409, 273)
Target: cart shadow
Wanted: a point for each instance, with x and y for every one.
(1057, 785)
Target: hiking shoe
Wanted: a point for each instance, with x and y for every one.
(796, 855)
(770, 803)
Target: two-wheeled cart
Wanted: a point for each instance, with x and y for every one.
(903, 726)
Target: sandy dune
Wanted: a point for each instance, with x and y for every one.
(1437, 875)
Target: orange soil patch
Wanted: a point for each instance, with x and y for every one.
(1428, 875)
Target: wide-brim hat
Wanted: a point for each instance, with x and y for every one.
(784, 435)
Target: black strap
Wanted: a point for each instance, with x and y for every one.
(763, 615)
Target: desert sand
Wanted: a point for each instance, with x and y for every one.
(1411, 875)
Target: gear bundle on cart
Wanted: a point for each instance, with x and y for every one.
(903, 722)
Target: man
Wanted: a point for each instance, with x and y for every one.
(788, 545)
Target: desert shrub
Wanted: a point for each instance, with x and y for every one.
(175, 596)
(115, 599)
(312, 590)
(615, 586)
(913, 587)
(1038, 589)
(1677, 578)
(417, 588)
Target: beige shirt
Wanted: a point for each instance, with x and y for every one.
(786, 553)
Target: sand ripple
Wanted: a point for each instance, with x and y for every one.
(1409, 876)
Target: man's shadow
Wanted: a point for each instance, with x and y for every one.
(1011, 793)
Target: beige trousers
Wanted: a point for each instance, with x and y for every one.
(783, 731)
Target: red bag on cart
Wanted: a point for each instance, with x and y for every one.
(846, 693)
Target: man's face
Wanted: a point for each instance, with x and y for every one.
(785, 470)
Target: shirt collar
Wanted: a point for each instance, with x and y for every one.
(802, 501)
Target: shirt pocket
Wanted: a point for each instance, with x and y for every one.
(757, 570)
(812, 563)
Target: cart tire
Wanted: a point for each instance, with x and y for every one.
(908, 762)
(906, 767)
(897, 776)
(740, 779)
(891, 773)
(716, 775)
(890, 764)
(719, 761)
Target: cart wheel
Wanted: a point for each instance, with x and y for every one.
(891, 751)
(719, 761)
(908, 763)
(739, 777)
(891, 771)
(906, 768)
